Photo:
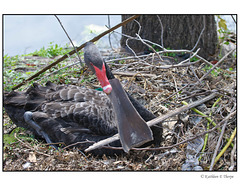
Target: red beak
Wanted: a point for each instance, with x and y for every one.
(102, 78)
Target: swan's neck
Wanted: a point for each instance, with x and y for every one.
(144, 113)
(108, 72)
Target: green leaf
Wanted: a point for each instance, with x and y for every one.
(222, 24)
(226, 43)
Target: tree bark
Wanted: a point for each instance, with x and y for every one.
(179, 32)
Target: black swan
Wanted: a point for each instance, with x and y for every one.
(70, 114)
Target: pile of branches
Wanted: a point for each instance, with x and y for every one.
(164, 86)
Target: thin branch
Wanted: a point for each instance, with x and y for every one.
(193, 55)
(73, 51)
(161, 30)
(130, 37)
(214, 161)
(139, 25)
(232, 157)
(149, 47)
(234, 19)
(79, 142)
(69, 39)
(134, 74)
(219, 142)
(109, 35)
(28, 146)
(132, 49)
(204, 23)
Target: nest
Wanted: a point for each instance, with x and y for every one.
(161, 84)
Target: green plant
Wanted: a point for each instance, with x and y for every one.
(53, 50)
(170, 54)
(223, 33)
(12, 76)
(10, 138)
(193, 59)
(214, 72)
(154, 47)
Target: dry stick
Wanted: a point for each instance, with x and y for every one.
(109, 36)
(28, 146)
(154, 121)
(133, 74)
(69, 39)
(79, 142)
(204, 23)
(150, 47)
(226, 146)
(161, 30)
(232, 157)
(234, 19)
(73, 51)
(218, 144)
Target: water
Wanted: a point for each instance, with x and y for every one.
(24, 34)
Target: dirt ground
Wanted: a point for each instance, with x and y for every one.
(160, 90)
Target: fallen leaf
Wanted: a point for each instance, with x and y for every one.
(32, 157)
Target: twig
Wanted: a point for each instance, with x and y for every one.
(224, 148)
(232, 157)
(234, 19)
(130, 37)
(69, 40)
(15, 135)
(133, 74)
(139, 25)
(186, 60)
(132, 50)
(161, 30)
(204, 60)
(200, 34)
(109, 35)
(149, 47)
(164, 49)
(175, 93)
(155, 121)
(214, 159)
(73, 51)
(80, 142)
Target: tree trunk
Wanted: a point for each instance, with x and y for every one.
(179, 32)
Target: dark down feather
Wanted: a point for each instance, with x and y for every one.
(70, 114)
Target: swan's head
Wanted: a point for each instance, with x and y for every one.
(95, 62)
